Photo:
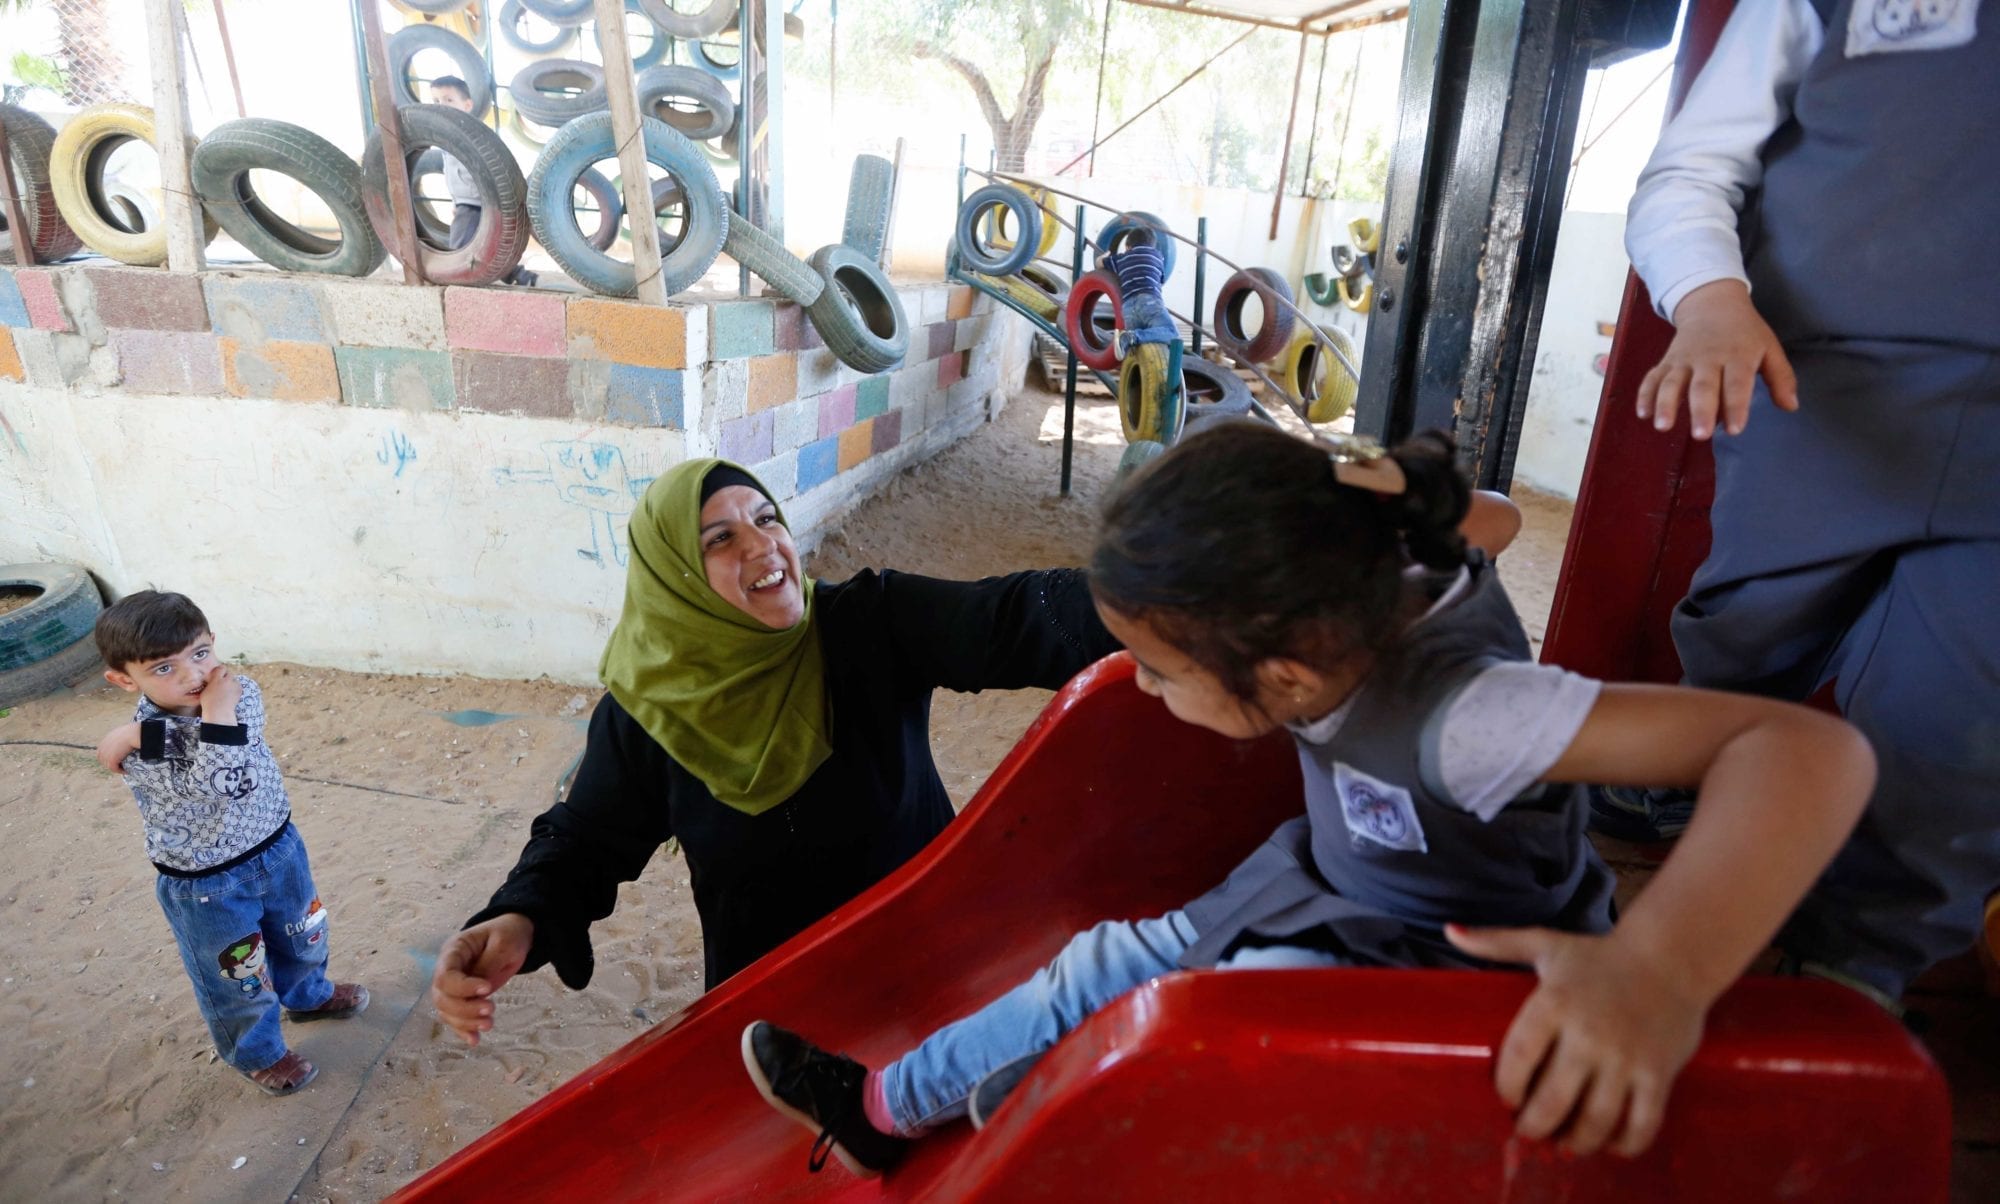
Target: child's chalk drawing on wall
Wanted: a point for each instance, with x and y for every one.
(593, 476)
(396, 449)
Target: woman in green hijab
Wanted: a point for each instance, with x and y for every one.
(779, 728)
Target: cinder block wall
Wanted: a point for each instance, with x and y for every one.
(369, 475)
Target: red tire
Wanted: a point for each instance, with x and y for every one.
(1095, 347)
(1274, 335)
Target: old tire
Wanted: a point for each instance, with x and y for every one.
(1137, 456)
(1146, 394)
(221, 171)
(537, 105)
(715, 111)
(698, 54)
(561, 12)
(501, 237)
(1211, 392)
(658, 43)
(585, 141)
(792, 277)
(1051, 224)
(1319, 380)
(1094, 347)
(610, 207)
(868, 187)
(990, 257)
(858, 313)
(1274, 335)
(64, 610)
(77, 163)
(29, 143)
(1114, 233)
(688, 26)
(429, 226)
(1035, 289)
(510, 29)
(406, 43)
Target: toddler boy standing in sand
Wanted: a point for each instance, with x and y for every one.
(234, 880)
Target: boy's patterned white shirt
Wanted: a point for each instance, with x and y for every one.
(206, 802)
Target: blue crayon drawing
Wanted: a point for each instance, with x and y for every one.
(593, 476)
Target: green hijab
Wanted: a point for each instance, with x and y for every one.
(740, 706)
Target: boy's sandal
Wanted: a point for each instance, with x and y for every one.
(348, 999)
(285, 1075)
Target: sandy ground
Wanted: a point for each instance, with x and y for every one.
(414, 796)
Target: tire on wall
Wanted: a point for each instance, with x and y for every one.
(610, 207)
(792, 277)
(29, 142)
(1274, 336)
(1146, 393)
(587, 140)
(435, 8)
(77, 163)
(990, 257)
(221, 168)
(1034, 288)
(531, 102)
(698, 54)
(501, 236)
(858, 313)
(561, 12)
(658, 43)
(868, 188)
(715, 112)
(509, 25)
(406, 43)
(706, 23)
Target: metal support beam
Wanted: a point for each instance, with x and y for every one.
(626, 133)
(402, 209)
(1291, 120)
(181, 216)
(1491, 93)
(229, 56)
(1332, 24)
(1185, 80)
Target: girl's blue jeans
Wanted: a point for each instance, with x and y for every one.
(931, 1084)
(252, 938)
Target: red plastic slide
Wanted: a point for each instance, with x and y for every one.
(1360, 1085)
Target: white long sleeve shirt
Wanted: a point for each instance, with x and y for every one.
(1681, 227)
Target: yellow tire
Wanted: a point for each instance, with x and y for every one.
(1051, 225)
(1025, 294)
(1318, 379)
(76, 175)
(1143, 393)
(1366, 234)
(1360, 302)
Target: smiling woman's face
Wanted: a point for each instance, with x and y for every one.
(749, 557)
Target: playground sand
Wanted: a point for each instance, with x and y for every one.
(107, 1087)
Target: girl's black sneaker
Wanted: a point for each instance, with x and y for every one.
(821, 1091)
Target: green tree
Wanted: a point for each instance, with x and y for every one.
(91, 70)
(971, 38)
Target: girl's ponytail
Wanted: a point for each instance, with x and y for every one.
(1430, 509)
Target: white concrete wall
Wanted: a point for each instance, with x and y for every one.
(334, 535)
(1584, 290)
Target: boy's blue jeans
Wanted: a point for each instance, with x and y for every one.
(252, 937)
(931, 1084)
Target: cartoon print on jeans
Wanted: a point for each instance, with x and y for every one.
(314, 924)
(233, 782)
(243, 962)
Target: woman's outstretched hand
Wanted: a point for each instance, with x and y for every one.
(1594, 1051)
(473, 965)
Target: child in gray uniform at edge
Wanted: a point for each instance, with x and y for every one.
(465, 200)
(1258, 583)
(1816, 221)
(234, 881)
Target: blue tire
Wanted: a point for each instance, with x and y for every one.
(976, 253)
(858, 313)
(698, 54)
(657, 41)
(561, 12)
(1117, 228)
(587, 140)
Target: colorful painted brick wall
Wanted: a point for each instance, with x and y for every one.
(369, 475)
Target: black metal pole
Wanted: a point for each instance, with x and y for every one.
(1069, 374)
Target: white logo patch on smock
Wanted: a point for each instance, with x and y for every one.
(1377, 811)
(1884, 26)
